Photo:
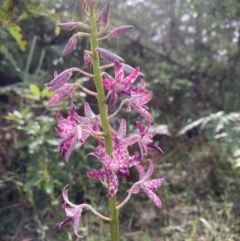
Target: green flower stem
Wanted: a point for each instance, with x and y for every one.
(114, 225)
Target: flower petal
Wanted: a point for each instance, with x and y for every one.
(153, 197)
(142, 129)
(122, 129)
(149, 172)
(99, 174)
(154, 183)
(66, 147)
(114, 98)
(118, 72)
(88, 110)
(76, 222)
(65, 222)
(113, 184)
(132, 77)
(141, 172)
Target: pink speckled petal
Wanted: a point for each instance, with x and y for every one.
(134, 190)
(122, 129)
(132, 77)
(142, 111)
(141, 172)
(118, 72)
(114, 98)
(142, 99)
(142, 129)
(154, 184)
(88, 110)
(100, 174)
(110, 85)
(113, 184)
(149, 172)
(133, 161)
(153, 197)
(66, 147)
(76, 222)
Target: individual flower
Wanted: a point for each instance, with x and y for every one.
(148, 186)
(121, 85)
(138, 103)
(144, 140)
(69, 132)
(73, 213)
(114, 167)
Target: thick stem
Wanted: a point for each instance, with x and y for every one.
(103, 115)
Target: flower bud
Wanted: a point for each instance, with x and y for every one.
(109, 56)
(59, 80)
(83, 4)
(87, 61)
(120, 31)
(68, 26)
(62, 93)
(70, 46)
(103, 16)
(129, 69)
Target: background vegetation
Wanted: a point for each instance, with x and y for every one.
(190, 53)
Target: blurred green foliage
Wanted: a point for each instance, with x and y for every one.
(189, 51)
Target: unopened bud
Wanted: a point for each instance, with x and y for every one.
(103, 16)
(129, 69)
(68, 26)
(92, 2)
(62, 93)
(109, 56)
(87, 61)
(83, 4)
(70, 46)
(120, 31)
(59, 80)
(108, 76)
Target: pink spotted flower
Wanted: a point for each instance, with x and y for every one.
(69, 132)
(144, 139)
(73, 213)
(121, 85)
(114, 167)
(138, 103)
(147, 185)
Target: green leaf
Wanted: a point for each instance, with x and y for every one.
(11, 59)
(23, 16)
(33, 182)
(49, 186)
(33, 7)
(35, 90)
(21, 144)
(31, 97)
(57, 31)
(16, 32)
(6, 12)
(47, 93)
